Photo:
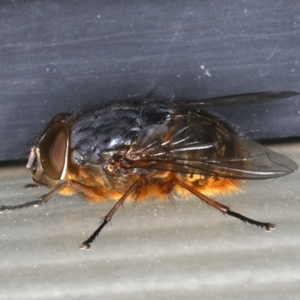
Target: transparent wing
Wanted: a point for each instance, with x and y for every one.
(237, 99)
(200, 143)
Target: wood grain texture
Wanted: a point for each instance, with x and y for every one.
(152, 250)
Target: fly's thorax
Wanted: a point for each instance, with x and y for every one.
(48, 158)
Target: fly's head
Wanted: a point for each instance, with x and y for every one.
(48, 158)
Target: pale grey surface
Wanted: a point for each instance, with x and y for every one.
(154, 250)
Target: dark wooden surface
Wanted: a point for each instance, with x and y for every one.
(58, 55)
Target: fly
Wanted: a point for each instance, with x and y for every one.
(151, 146)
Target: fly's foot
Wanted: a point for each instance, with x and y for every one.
(269, 227)
(4, 208)
(85, 246)
(31, 185)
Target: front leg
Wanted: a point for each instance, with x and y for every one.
(43, 199)
(31, 185)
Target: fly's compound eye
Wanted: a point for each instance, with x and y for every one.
(53, 149)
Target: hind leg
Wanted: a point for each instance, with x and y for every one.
(169, 185)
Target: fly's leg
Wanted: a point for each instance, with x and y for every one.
(222, 208)
(137, 184)
(31, 185)
(42, 200)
